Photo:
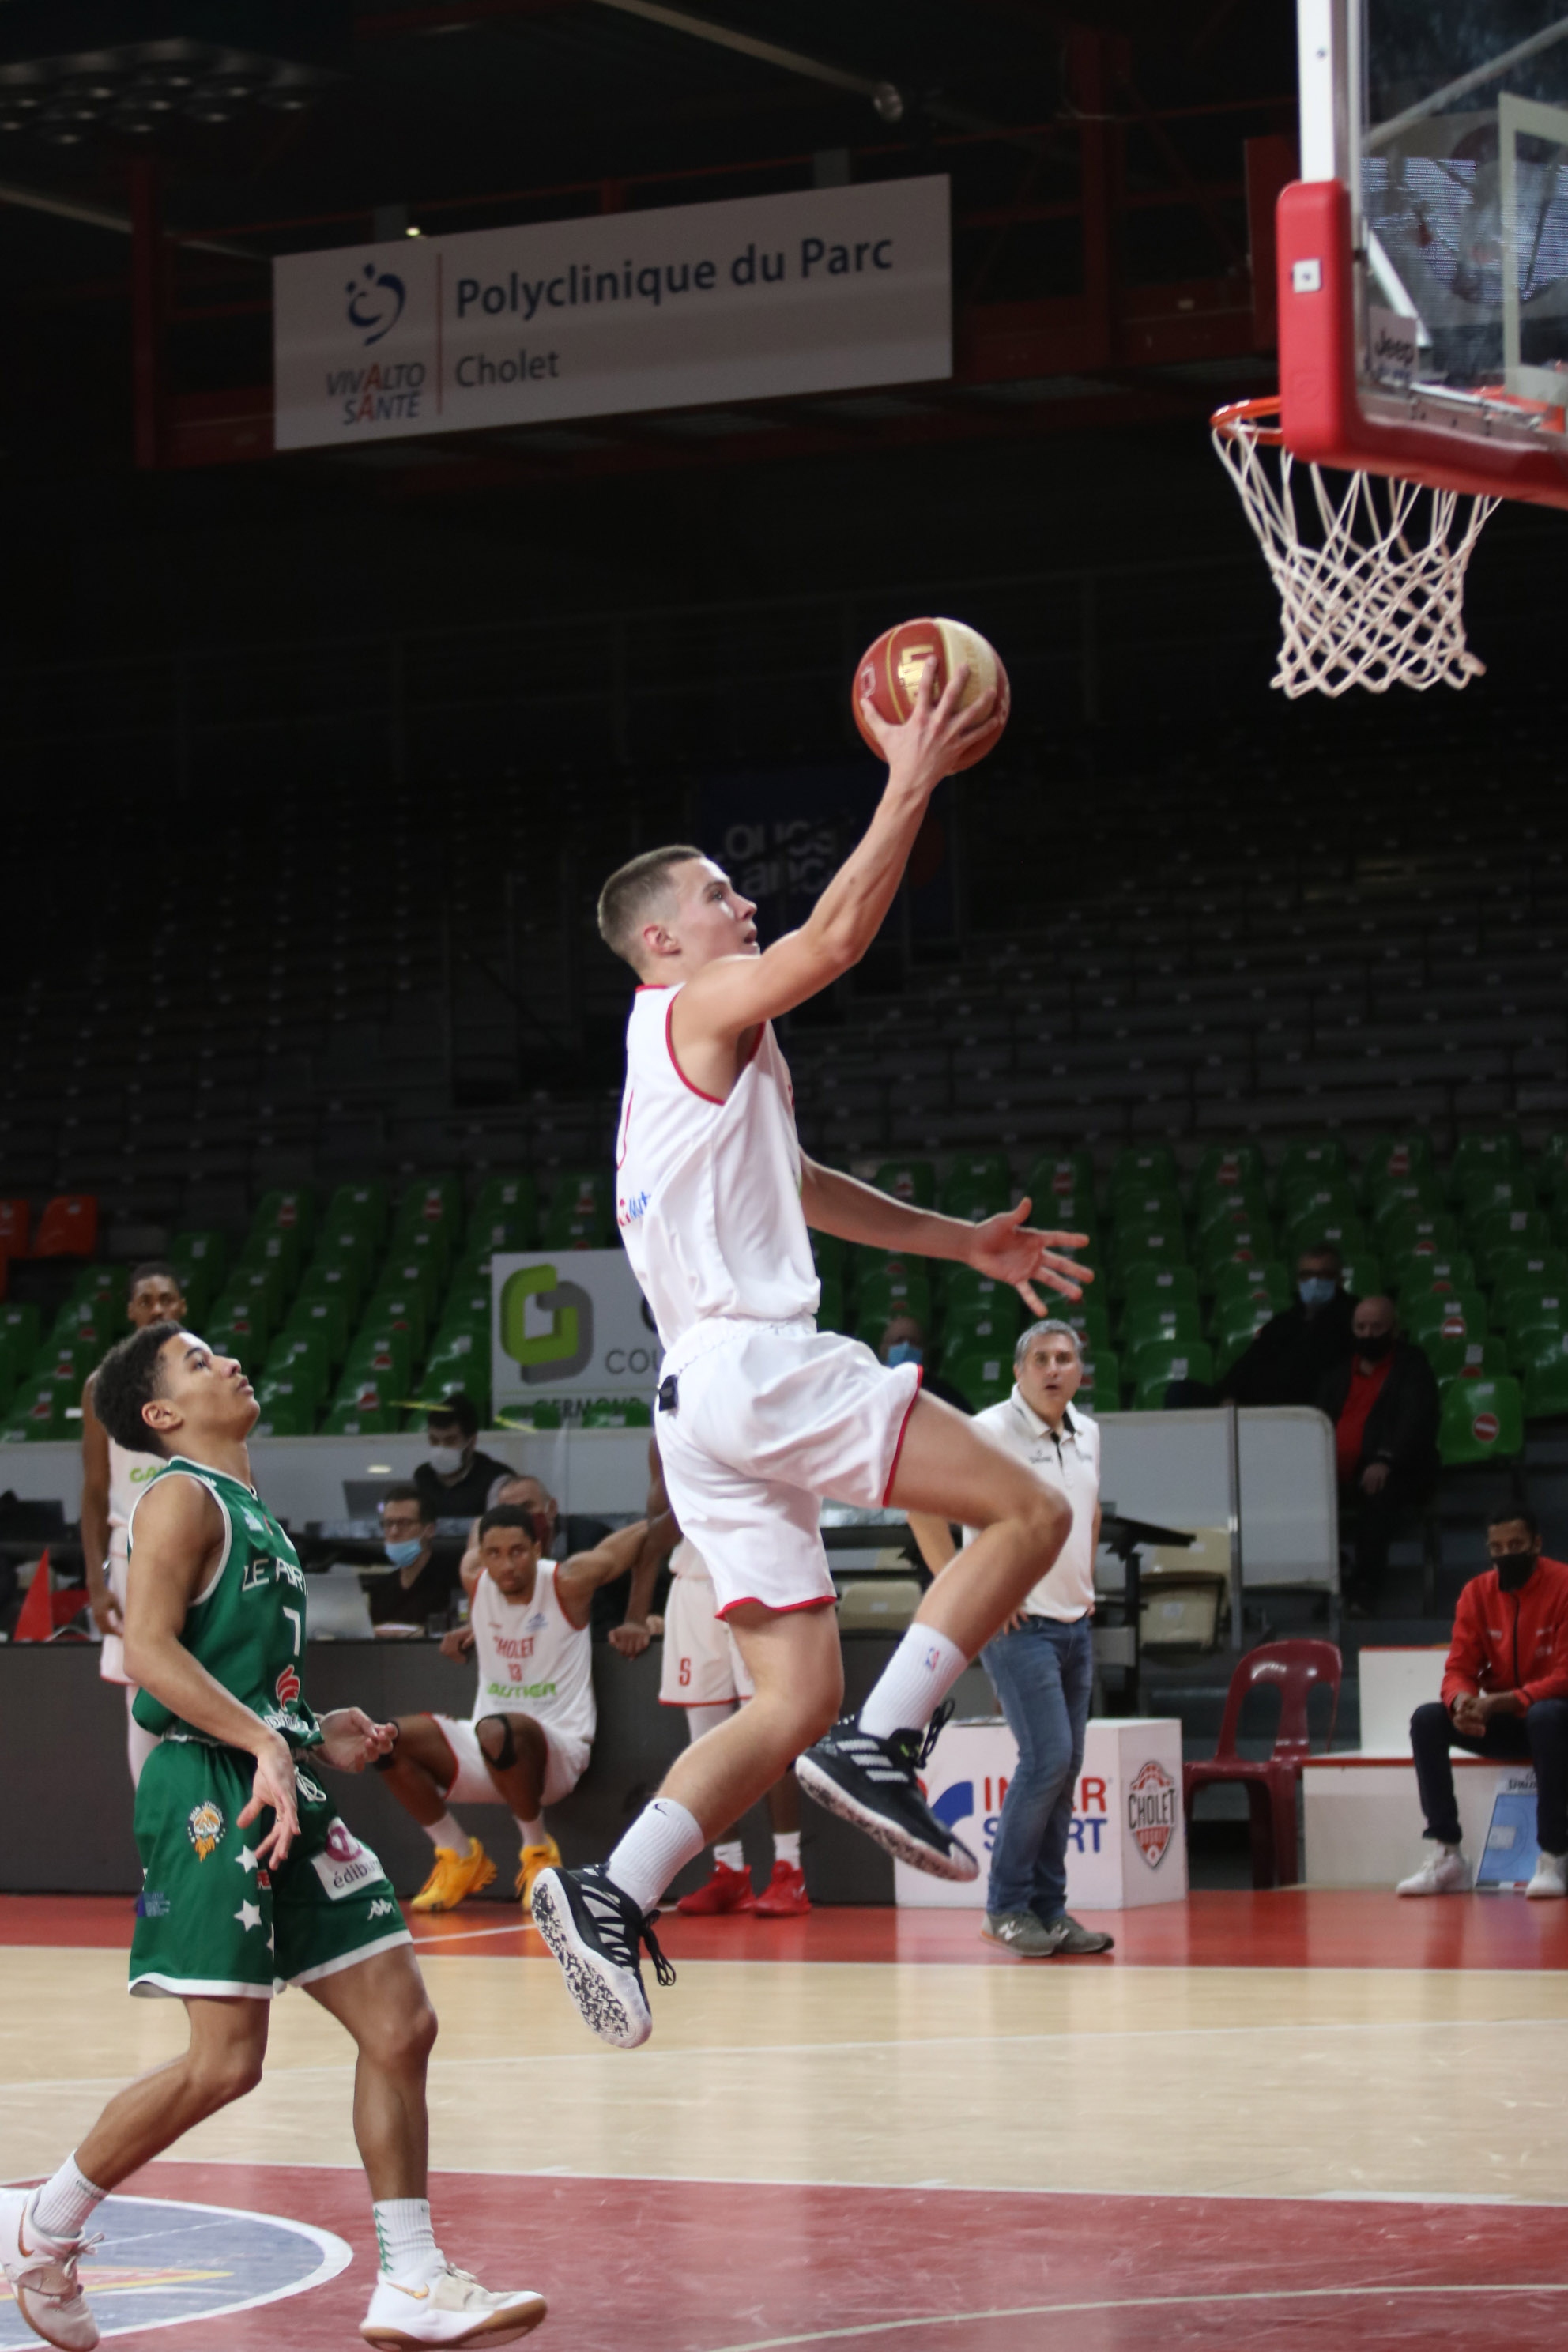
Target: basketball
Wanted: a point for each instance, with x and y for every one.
(887, 675)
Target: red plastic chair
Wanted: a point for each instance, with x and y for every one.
(68, 1226)
(14, 1228)
(1292, 1668)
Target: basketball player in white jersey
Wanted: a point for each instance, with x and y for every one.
(526, 1745)
(760, 1414)
(111, 1481)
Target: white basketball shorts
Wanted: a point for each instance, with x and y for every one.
(471, 1783)
(111, 1652)
(769, 1418)
(703, 1661)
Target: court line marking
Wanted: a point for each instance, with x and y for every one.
(336, 2256)
(1130, 2303)
(686, 2054)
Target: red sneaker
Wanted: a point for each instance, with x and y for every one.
(727, 1890)
(785, 1895)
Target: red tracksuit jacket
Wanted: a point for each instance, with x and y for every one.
(1512, 1640)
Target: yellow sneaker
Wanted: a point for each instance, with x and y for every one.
(454, 1879)
(532, 1861)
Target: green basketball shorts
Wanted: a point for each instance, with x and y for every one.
(212, 1919)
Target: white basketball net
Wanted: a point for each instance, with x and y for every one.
(1374, 596)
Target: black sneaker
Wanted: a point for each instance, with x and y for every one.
(872, 1783)
(594, 1931)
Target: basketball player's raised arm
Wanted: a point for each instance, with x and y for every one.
(737, 992)
(578, 1579)
(1004, 1247)
(179, 1543)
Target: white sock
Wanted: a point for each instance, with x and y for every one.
(405, 2240)
(731, 1855)
(449, 1832)
(662, 1840)
(62, 2206)
(533, 1833)
(913, 1682)
(786, 1847)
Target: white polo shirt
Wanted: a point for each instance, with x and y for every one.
(1069, 1462)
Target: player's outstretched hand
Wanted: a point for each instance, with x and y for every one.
(350, 1740)
(930, 743)
(1008, 1250)
(273, 1790)
(629, 1638)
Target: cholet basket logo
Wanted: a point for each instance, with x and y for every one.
(375, 301)
(567, 1347)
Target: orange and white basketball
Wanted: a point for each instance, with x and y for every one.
(889, 673)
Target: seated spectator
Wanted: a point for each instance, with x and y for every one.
(457, 1480)
(1291, 1357)
(904, 1342)
(423, 1586)
(526, 1745)
(1505, 1693)
(1383, 1401)
(616, 1616)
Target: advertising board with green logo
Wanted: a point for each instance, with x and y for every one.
(569, 1327)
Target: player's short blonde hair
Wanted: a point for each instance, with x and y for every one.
(636, 890)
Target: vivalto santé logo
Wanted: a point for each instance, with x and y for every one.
(375, 301)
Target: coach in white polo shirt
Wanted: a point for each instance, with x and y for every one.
(1042, 1665)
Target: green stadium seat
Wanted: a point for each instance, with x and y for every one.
(1053, 1180)
(1347, 1235)
(1393, 1159)
(1486, 1157)
(327, 1314)
(430, 1201)
(1233, 1335)
(407, 1267)
(351, 1417)
(1483, 1195)
(831, 1312)
(1362, 1276)
(1543, 1375)
(37, 1413)
(247, 1308)
(1224, 1245)
(402, 1310)
(1482, 1420)
(579, 1215)
(11, 1367)
(984, 1375)
(976, 1188)
(509, 1201)
(1101, 1389)
(458, 1359)
(1140, 1165)
(1176, 1321)
(468, 1307)
(383, 1352)
(1158, 1362)
(1240, 1282)
(1513, 1267)
(286, 1411)
(895, 1287)
(1160, 1285)
(1220, 1211)
(830, 1254)
(290, 1210)
(1454, 1314)
(434, 1237)
(988, 1334)
(70, 1359)
(912, 1181)
(966, 1285)
(1311, 1160)
(367, 1206)
(19, 1317)
(280, 1248)
(1507, 1228)
(236, 1334)
(1087, 1316)
(201, 1248)
(1416, 1196)
(618, 1413)
(106, 1285)
(350, 1245)
(307, 1376)
(1161, 1246)
(1541, 1324)
(1228, 1168)
(91, 1321)
(1416, 1232)
(1434, 1270)
(1467, 1358)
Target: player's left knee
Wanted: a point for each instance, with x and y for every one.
(404, 2040)
(498, 1742)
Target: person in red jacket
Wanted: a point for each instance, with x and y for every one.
(1505, 1693)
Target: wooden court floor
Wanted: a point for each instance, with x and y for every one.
(1293, 2120)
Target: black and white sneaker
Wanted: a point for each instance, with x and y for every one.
(594, 1931)
(872, 1783)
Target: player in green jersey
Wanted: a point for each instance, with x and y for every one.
(250, 1880)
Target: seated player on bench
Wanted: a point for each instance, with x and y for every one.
(526, 1745)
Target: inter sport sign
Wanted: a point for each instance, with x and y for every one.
(821, 291)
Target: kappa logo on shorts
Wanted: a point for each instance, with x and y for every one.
(286, 1687)
(381, 1908)
(346, 1867)
(205, 1826)
(307, 1789)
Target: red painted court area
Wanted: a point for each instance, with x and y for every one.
(684, 2266)
(1293, 1927)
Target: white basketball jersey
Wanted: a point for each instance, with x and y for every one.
(532, 1659)
(686, 1560)
(128, 1474)
(708, 1192)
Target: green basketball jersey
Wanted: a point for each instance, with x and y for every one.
(247, 1628)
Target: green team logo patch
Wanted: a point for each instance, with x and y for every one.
(205, 1826)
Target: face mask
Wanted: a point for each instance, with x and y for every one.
(1514, 1569)
(404, 1555)
(1376, 1347)
(904, 1352)
(446, 1459)
(1315, 1290)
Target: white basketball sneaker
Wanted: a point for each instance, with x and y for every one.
(42, 2276)
(1447, 1872)
(1551, 1877)
(450, 2309)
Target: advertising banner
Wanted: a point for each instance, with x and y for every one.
(570, 1324)
(761, 296)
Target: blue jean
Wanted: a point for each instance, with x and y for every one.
(1043, 1675)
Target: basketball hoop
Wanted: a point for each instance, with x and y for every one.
(1376, 596)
